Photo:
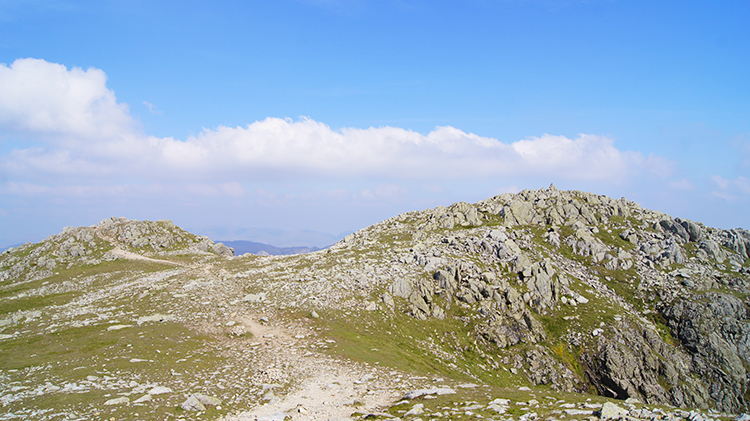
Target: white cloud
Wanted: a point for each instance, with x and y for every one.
(84, 132)
(47, 98)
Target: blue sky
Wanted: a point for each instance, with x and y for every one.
(331, 115)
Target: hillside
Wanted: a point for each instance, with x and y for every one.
(545, 304)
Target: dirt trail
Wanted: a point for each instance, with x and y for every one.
(124, 254)
(325, 387)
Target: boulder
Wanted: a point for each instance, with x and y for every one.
(612, 411)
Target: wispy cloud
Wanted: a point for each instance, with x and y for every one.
(151, 108)
(731, 190)
(682, 184)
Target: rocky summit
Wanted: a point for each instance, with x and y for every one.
(541, 305)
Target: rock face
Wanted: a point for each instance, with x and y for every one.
(655, 308)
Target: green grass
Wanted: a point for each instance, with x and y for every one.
(402, 342)
(73, 354)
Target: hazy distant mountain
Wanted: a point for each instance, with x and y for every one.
(241, 247)
(275, 236)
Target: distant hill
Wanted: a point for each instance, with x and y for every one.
(275, 236)
(241, 247)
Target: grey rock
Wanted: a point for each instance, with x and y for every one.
(611, 411)
(207, 400)
(402, 288)
(431, 391)
(118, 401)
(417, 409)
(192, 404)
(159, 390)
(694, 231)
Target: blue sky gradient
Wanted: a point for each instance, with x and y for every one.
(334, 114)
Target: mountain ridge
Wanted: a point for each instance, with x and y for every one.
(558, 292)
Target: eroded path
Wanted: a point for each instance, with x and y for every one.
(322, 387)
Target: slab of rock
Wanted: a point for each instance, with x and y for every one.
(207, 400)
(192, 404)
(432, 391)
(417, 409)
(117, 401)
(155, 318)
(611, 411)
(158, 390)
(578, 412)
(144, 398)
(118, 327)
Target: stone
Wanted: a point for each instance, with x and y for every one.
(387, 299)
(694, 231)
(432, 391)
(675, 228)
(118, 327)
(192, 404)
(417, 409)
(402, 288)
(611, 411)
(143, 399)
(254, 298)
(155, 318)
(159, 390)
(118, 401)
(222, 250)
(578, 412)
(208, 400)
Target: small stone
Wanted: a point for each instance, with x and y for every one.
(417, 409)
(117, 401)
(159, 390)
(208, 400)
(192, 404)
(144, 398)
(433, 391)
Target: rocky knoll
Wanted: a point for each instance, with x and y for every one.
(544, 304)
(672, 326)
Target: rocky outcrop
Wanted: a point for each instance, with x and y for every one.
(158, 236)
(515, 260)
